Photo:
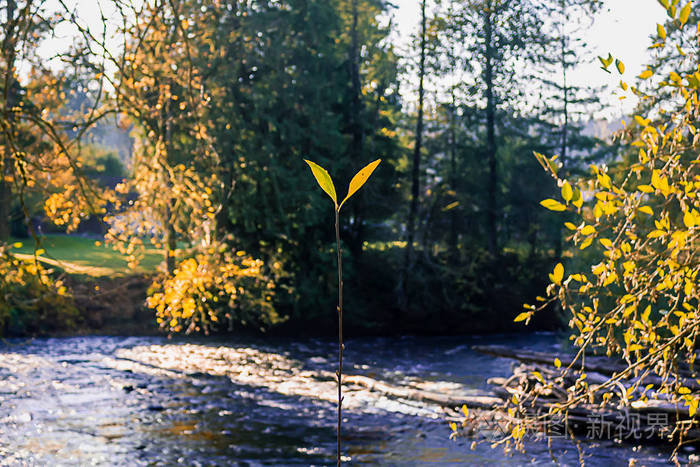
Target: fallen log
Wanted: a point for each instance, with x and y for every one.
(602, 365)
(598, 364)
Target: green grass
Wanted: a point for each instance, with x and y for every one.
(83, 256)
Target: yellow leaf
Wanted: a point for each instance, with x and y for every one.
(661, 31)
(17, 245)
(538, 376)
(620, 66)
(646, 210)
(627, 299)
(685, 14)
(553, 205)
(557, 363)
(452, 205)
(605, 242)
(522, 316)
(586, 244)
(558, 274)
(577, 199)
(569, 226)
(453, 426)
(40, 252)
(324, 180)
(606, 61)
(598, 269)
(360, 178)
(689, 220)
(645, 189)
(646, 74)
(642, 121)
(587, 230)
(465, 410)
(567, 193)
(610, 279)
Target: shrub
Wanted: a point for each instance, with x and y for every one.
(215, 290)
(31, 301)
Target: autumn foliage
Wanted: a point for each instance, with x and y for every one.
(32, 301)
(216, 291)
(630, 286)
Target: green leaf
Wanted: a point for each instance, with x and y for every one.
(359, 179)
(685, 14)
(324, 180)
(553, 205)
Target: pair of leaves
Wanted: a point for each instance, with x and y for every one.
(326, 182)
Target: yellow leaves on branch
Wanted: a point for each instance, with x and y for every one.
(211, 290)
(640, 225)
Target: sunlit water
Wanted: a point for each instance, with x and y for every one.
(103, 401)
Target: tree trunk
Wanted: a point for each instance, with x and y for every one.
(356, 237)
(415, 172)
(9, 102)
(491, 132)
(453, 177)
(169, 216)
(559, 246)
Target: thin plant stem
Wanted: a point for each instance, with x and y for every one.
(341, 346)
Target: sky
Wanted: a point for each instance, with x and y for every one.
(622, 28)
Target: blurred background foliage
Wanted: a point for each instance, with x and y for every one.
(188, 135)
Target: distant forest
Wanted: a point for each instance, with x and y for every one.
(184, 124)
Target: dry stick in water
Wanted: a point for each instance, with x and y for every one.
(326, 183)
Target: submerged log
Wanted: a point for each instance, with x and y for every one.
(488, 402)
(480, 402)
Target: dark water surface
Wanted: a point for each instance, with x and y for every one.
(77, 401)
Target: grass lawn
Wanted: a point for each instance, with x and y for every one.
(78, 255)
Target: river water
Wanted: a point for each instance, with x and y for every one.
(153, 401)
